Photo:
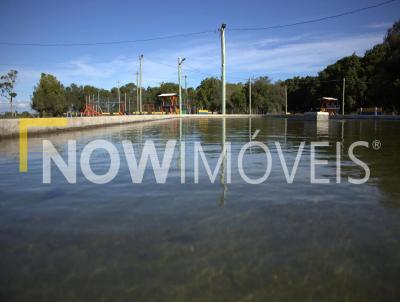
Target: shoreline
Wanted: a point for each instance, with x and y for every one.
(9, 128)
(343, 117)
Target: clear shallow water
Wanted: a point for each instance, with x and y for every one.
(205, 242)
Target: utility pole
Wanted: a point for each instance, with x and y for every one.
(119, 98)
(137, 91)
(129, 107)
(285, 99)
(250, 96)
(344, 88)
(186, 92)
(223, 68)
(140, 83)
(180, 61)
(125, 104)
(98, 100)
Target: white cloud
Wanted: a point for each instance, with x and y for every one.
(293, 58)
(379, 25)
(19, 106)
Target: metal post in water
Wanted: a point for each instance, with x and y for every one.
(224, 166)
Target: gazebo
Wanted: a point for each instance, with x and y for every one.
(169, 103)
(329, 105)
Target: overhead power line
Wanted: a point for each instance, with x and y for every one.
(193, 69)
(183, 35)
(315, 20)
(108, 42)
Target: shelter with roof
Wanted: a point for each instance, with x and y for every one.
(329, 105)
(170, 103)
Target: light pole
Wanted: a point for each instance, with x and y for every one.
(250, 96)
(119, 98)
(186, 93)
(180, 61)
(137, 91)
(140, 83)
(125, 104)
(286, 100)
(223, 68)
(344, 88)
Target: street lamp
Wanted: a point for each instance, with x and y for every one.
(180, 61)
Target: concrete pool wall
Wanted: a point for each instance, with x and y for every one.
(10, 127)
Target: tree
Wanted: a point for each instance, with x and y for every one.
(352, 69)
(49, 97)
(392, 67)
(266, 97)
(209, 94)
(237, 99)
(7, 83)
(75, 97)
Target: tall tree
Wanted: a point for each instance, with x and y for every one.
(236, 98)
(49, 97)
(75, 97)
(209, 94)
(7, 83)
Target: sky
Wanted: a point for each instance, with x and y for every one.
(278, 53)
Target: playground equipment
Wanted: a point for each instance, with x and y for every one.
(149, 108)
(93, 106)
(121, 109)
(90, 111)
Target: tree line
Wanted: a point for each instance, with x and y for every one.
(371, 80)
(52, 98)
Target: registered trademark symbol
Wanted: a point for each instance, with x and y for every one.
(376, 144)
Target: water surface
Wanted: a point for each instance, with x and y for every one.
(209, 241)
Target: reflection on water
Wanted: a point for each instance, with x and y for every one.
(206, 242)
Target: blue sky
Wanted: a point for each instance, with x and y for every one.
(280, 53)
